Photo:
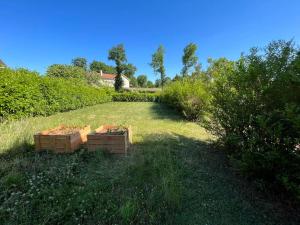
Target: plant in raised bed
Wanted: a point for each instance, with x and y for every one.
(114, 139)
(61, 139)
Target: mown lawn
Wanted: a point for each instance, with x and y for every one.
(172, 176)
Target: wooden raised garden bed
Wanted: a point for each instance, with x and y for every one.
(114, 139)
(62, 139)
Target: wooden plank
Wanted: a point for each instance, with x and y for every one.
(60, 143)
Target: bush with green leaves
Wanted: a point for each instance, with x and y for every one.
(255, 110)
(135, 97)
(24, 93)
(189, 96)
(65, 71)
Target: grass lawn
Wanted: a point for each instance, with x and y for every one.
(172, 175)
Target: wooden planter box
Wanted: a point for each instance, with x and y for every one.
(105, 138)
(62, 139)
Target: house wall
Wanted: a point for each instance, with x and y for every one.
(111, 83)
(125, 82)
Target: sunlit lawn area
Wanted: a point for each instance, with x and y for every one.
(171, 176)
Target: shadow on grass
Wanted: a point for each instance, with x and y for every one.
(163, 111)
(165, 179)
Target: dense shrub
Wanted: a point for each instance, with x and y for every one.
(24, 93)
(188, 95)
(255, 111)
(135, 97)
(65, 71)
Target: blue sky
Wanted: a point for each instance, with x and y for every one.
(36, 34)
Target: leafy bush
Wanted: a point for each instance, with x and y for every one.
(255, 111)
(65, 71)
(188, 95)
(24, 93)
(135, 97)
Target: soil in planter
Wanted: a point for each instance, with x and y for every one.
(111, 130)
(115, 131)
(63, 130)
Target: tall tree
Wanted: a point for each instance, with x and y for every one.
(80, 62)
(189, 58)
(118, 55)
(158, 63)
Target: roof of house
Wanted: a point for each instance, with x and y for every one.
(2, 64)
(108, 76)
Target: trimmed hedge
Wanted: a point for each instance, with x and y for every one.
(135, 97)
(24, 93)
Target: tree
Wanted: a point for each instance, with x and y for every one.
(167, 80)
(65, 71)
(129, 70)
(177, 77)
(97, 66)
(118, 55)
(142, 80)
(157, 83)
(158, 63)
(189, 58)
(218, 68)
(150, 84)
(133, 82)
(80, 62)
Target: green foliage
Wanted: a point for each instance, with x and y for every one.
(80, 62)
(133, 82)
(118, 55)
(172, 176)
(65, 71)
(93, 78)
(158, 63)
(189, 96)
(24, 93)
(150, 84)
(129, 70)
(255, 111)
(97, 66)
(136, 97)
(189, 58)
(142, 80)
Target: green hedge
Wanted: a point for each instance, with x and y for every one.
(135, 97)
(189, 96)
(24, 93)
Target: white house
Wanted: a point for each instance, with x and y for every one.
(109, 79)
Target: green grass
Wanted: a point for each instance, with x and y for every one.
(172, 175)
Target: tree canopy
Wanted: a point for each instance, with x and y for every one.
(65, 71)
(80, 62)
(142, 80)
(158, 63)
(189, 58)
(129, 70)
(97, 66)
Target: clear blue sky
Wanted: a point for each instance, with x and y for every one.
(36, 34)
